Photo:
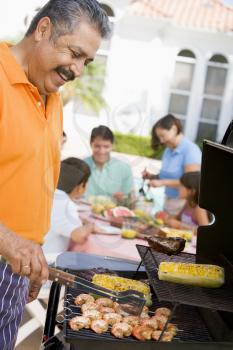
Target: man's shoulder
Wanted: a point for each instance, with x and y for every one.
(88, 160)
(120, 163)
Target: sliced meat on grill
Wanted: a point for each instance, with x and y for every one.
(168, 246)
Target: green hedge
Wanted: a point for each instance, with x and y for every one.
(137, 145)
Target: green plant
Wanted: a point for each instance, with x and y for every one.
(136, 145)
(87, 90)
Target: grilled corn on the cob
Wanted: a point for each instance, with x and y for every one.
(201, 275)
(120, 284)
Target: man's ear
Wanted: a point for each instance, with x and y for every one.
(43, 29)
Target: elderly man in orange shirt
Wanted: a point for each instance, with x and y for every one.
(62, 38)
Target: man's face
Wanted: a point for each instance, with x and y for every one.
(101, 150)
(56, 62)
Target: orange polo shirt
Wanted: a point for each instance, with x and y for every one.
(30, 137)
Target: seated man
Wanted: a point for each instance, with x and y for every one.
(109, 176)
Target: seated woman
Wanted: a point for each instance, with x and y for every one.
(191, 215)
(65, 222)
(109, 176)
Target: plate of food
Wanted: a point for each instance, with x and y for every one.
(108, 230)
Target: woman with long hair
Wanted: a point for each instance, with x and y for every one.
(180, 156)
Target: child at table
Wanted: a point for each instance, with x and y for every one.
(191, 215)
(65, 221)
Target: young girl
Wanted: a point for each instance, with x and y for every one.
(191, 215)
(65, 222)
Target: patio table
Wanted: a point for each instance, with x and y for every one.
(112, 245)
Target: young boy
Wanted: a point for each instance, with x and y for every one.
(65, 222)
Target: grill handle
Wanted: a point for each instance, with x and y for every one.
(61, 277)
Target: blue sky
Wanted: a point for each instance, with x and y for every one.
(228, 2)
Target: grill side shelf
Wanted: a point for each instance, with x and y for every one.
(220, 299)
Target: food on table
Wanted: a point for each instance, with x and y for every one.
(122, 211)
(99, 326)
(161, 215)
(128, 233)
(142, 332)
(108, 213)
(118, 212)
(101, 203)
(142, 214)
(121, 330)
(121, 284)
(97, 208)
(172, 232)
(138, 225)
(105, 200)
(201, 275)
(112, 318)
(84, 298)
(159, 221)
(78, 322)
(168, 246)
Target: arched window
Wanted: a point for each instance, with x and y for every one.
(182, 84)
(212, 99)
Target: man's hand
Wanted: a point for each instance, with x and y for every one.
(118, 195)
(25, 257)
(34, 289)
(155, 183)
(146, 175)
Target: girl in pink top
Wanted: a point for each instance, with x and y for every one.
(191, 215)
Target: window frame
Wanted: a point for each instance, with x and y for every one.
(206, 96)
(187, 93)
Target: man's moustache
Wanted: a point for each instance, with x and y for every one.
(68, 74)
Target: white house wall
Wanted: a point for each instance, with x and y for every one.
(141, 66)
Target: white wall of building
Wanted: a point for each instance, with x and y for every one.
(141, 66)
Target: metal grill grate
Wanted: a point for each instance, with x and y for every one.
(185, 317)
(216, 299)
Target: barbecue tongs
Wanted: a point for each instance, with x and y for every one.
(131, 301)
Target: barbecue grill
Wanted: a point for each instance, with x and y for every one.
(204, 316)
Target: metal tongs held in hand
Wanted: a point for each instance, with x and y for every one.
(131, 301)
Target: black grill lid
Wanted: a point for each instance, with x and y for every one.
(216, 195)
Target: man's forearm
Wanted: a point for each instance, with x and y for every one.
(4, 231)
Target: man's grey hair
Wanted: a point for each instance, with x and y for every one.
(65, 15)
